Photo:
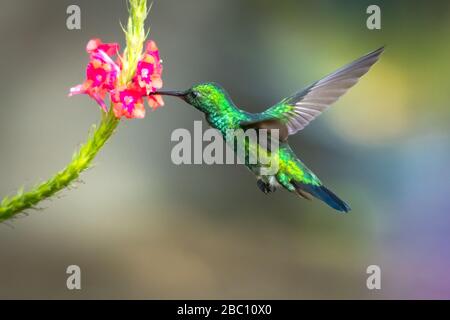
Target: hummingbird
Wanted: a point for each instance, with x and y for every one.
(289, 116)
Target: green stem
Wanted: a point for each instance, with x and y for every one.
(80, 162)
(135, 37)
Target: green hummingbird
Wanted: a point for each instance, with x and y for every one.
(289, 116)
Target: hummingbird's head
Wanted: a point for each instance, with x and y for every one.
(206, 97)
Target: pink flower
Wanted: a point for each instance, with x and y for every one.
(102, 71)
(111, 49)
(155, 101)
(148, 74)
(102, 75)
(128, 102)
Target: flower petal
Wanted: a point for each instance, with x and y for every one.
(155, 101)
(79, 89)
(94, 45)
(139, 111)
(149, 69)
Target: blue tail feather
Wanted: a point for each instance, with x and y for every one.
(324, 194)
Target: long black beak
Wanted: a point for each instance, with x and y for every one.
(180, 94)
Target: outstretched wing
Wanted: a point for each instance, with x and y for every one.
(297, 111)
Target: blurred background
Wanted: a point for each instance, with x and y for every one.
(141, 227)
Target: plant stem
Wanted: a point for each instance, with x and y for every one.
(80, 162)
(135, 37)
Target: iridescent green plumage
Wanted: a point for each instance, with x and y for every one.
(222, 114)
(288, 117)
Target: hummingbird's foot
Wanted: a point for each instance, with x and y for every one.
(265, 187)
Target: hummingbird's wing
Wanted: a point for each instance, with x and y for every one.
(294, 113)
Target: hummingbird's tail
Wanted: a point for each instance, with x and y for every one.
(322, 193)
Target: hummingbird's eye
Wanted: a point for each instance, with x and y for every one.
(195, 94)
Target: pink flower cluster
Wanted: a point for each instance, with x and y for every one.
(102, 74)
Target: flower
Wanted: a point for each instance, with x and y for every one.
(155, 101)
(148, 74)
(95, 45)
(101, 72)
(149, 69)
(128, 101)
(102, 75)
